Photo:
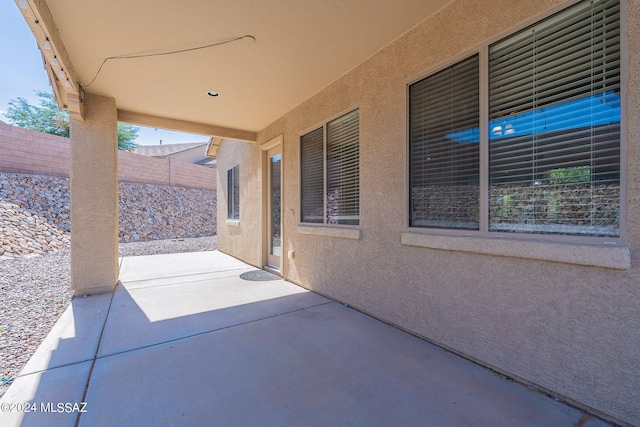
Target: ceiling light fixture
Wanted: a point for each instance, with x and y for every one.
(54, 61)
(23, 4)
(213, 93)
(47, 44)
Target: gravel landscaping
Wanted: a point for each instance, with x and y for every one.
(35, 290)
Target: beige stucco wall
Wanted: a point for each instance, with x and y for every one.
(241, 238)
(571, 329)
(94, 197)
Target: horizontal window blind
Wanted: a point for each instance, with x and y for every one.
(554, 125)
(330, 172)
(233, 193)
(312, 176)
(343, 170)
(444, 148)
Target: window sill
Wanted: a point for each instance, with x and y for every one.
(615, 257)
(233, 223)
(329, 231)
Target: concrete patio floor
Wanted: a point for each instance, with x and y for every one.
(184, 341)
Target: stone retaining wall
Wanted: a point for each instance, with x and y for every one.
(592, 209)
(437, 205)
(35, 213)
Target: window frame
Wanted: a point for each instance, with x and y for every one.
(233, 179)
(411, 234)
(348, 231)
(471, 57)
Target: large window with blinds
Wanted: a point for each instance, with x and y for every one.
(445, 151)
(330, 172)
(551, 149)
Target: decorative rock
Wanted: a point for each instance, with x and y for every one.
(35, 213)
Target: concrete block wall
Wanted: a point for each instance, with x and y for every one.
(183, 173)
(29, 152)
(136, 168)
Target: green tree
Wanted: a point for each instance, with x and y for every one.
(48, 118)
(45, 118)
(127, 135)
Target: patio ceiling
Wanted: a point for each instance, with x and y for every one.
(297, 48)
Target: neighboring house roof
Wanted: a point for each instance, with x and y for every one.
(208, 162)
(167, 150)
(192, 152)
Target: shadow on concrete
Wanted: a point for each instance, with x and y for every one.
(222, 351)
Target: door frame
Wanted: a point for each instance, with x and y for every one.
(266, 205)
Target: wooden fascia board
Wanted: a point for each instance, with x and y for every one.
(212, 148)
(142, 119)
(58, 91)
(42, 25)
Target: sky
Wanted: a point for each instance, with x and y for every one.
(22, 73)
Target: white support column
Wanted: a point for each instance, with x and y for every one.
(94, 197)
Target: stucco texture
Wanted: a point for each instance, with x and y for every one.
(569, 329)
(94, 195)
(241, 238)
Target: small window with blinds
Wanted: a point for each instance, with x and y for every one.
(444, 148)
(554, 125)
(233, 193)
(549, 161)
(312, 174)
(330, 172)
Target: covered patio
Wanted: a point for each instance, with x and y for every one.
(183, 340)
(552, 304)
